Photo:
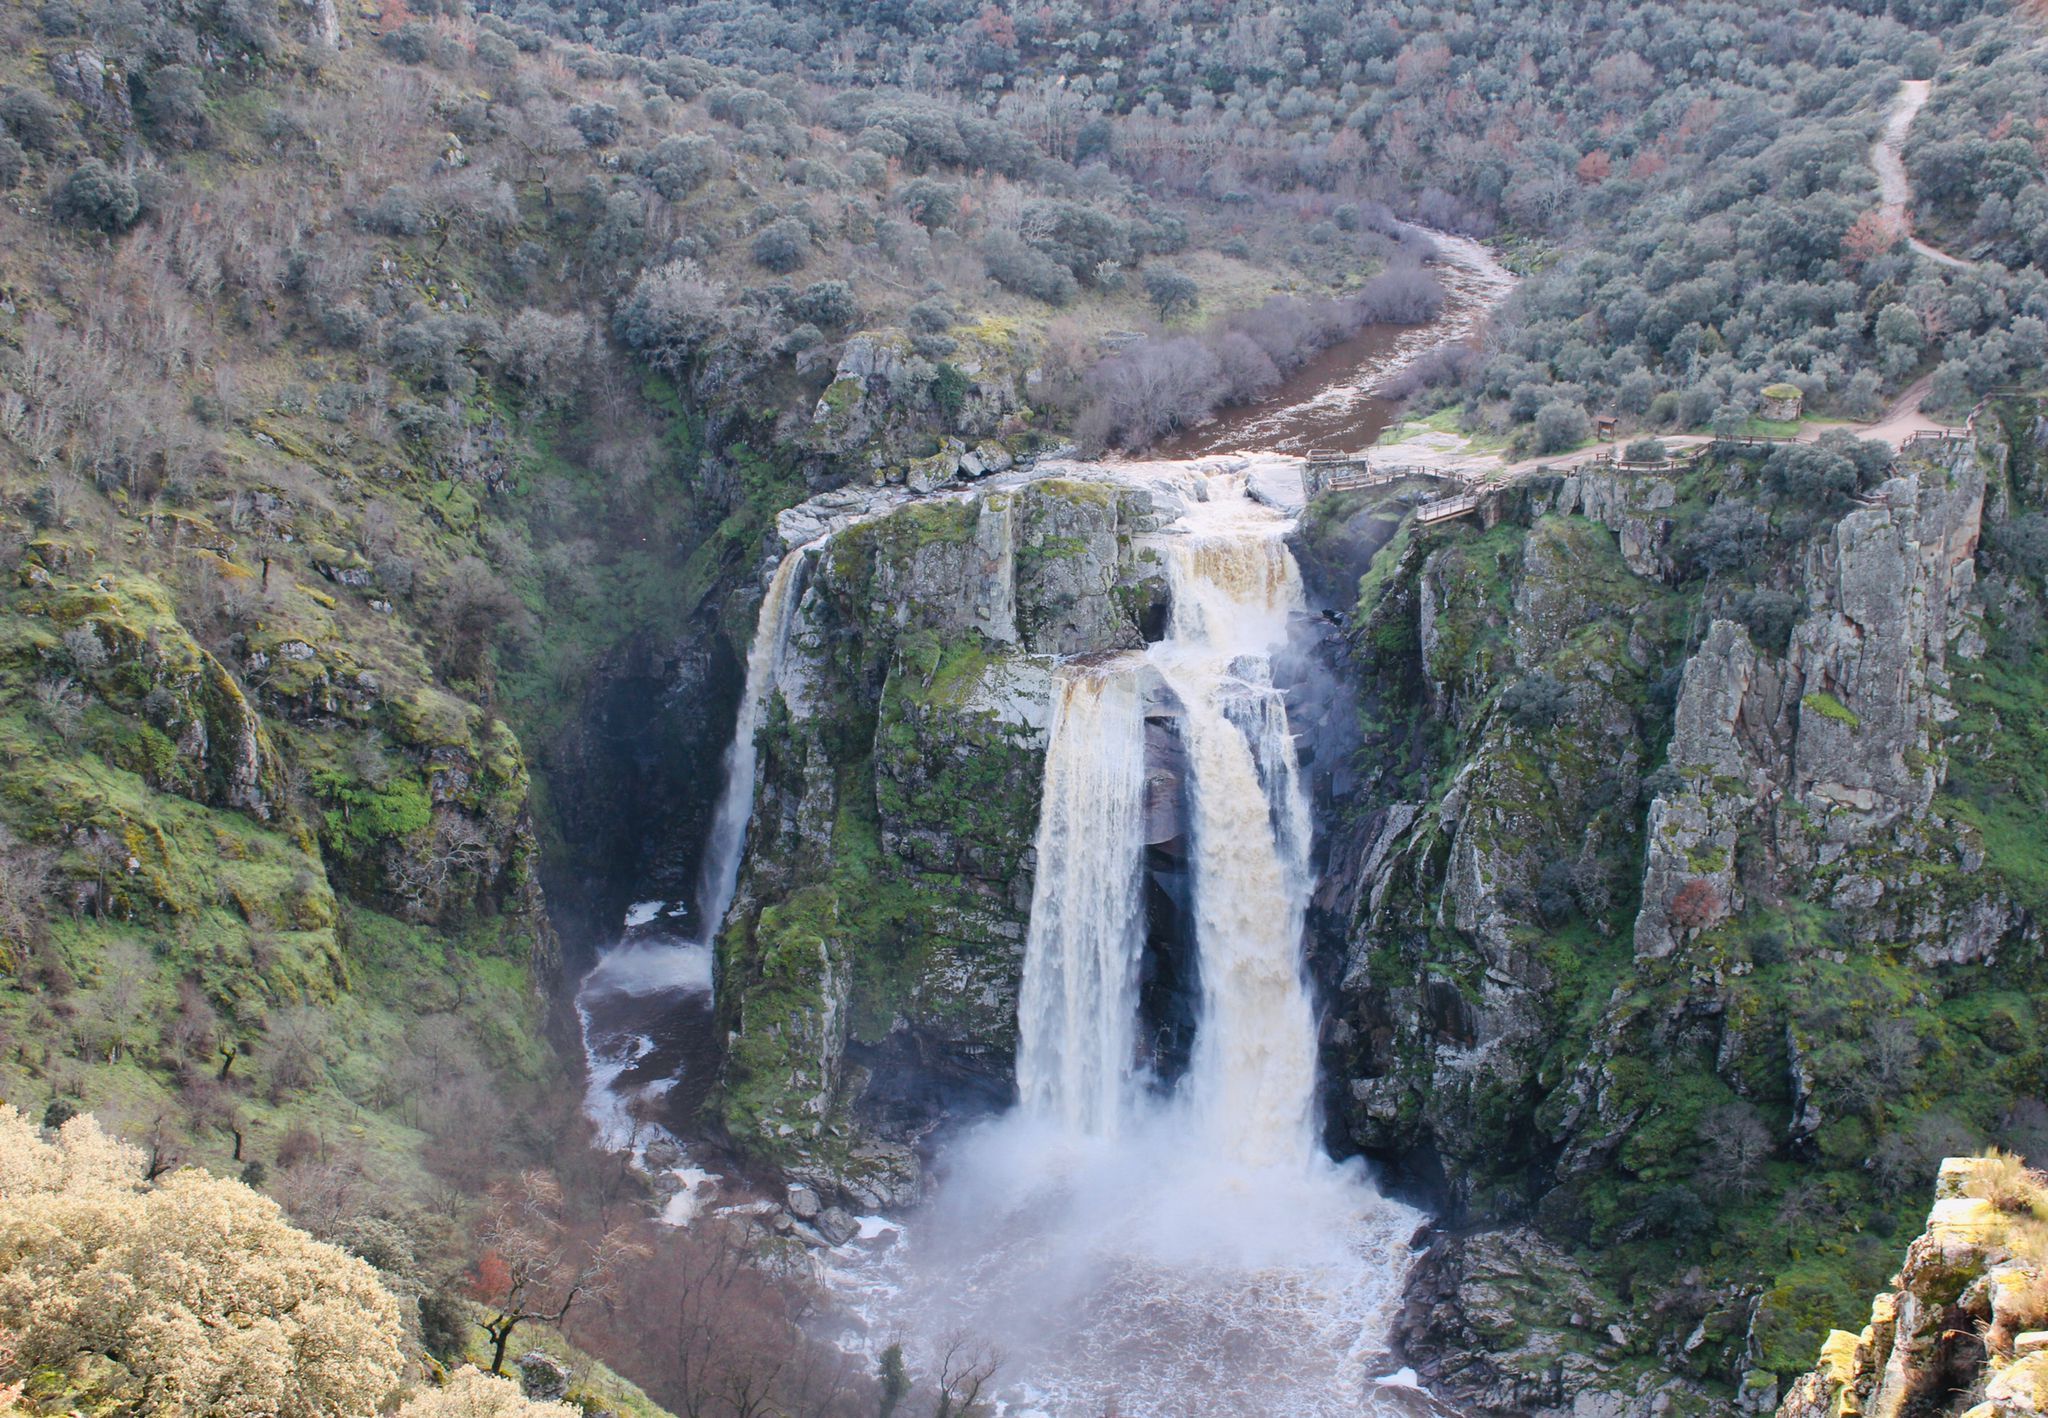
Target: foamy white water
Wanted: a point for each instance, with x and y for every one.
(1195, 1253)
(1252, 1080)
(1077, 1011)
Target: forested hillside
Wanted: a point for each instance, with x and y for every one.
(1689, 183)
(396, 401)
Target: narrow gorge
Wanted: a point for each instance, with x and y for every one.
(1416, 853)
(779, 709)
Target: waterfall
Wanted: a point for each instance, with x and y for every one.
(720, 872)
(1077, 1012)
(1164, 1255)
(1251, 1083)
(628, 1004)
(1250, 1088)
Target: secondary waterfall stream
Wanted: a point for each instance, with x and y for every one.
(657, 980)
(1128, 1247)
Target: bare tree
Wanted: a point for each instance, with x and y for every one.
(25, 876)
(424, 873)
(967, 1370)
(535, 1264)
(1738, 1144)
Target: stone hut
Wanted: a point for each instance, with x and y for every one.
(1782, 402)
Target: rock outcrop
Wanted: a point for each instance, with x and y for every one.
(870, 964)
(886, 398)
(1961, 1329)
(1641, 877)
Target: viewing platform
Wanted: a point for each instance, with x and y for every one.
(1325, 471)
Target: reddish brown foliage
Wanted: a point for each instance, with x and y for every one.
(1695, 904)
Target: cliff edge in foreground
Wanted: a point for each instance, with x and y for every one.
(1965, 1327)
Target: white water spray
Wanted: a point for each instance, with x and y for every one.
(1077, 1013)
(1196, 1253)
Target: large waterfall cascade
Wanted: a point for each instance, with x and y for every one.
(1155, 1246)
(1180, 1251)
(1078, 1006)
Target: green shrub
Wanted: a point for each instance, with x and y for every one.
(782, 246)
(36, 123)
(96, 196)
(1017, 267)
(1561, 425)
(174, 104)
(1171, 292)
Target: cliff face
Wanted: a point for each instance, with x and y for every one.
(1680, 887)
(1670, 881)
(869, 967)
(1960, 1329)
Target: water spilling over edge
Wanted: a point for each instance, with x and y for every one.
(1194, 1253)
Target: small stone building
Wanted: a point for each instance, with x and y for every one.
(1782, 402)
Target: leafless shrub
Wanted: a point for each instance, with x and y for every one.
(545, 353)
(1134, 397)
(299, 1041)
(60, 704)
(26, 872)
(456, 858)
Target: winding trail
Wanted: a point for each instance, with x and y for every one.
(1447, 454)
(1895, 191)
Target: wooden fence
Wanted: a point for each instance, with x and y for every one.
(1338, 472)
(1445, 508)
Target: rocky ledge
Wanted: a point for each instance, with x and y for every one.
(1964, 1328)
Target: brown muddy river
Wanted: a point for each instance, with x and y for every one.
(1331, 402)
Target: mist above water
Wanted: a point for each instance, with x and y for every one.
(1121, 1246)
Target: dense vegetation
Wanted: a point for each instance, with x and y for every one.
(376, 389)
(1689, 184)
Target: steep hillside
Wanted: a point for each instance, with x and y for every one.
(1677, 909)
(1959, 1329)
(394, 409)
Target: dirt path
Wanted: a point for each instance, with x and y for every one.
(1893, 188)
(1894, 426)
(1448, 454)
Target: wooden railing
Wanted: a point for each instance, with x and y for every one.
(1932, 439)
(1324, 470)
(1751, 440)
(1682, 461)
(1445, 508)
(1338, 472)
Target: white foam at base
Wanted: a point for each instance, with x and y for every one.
(658, 967)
